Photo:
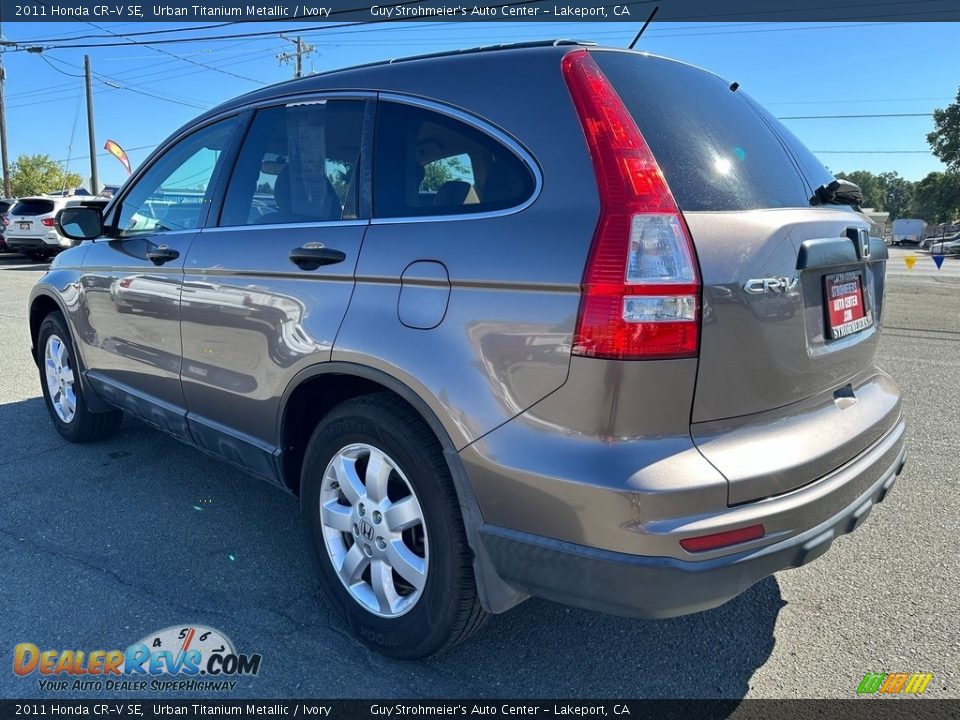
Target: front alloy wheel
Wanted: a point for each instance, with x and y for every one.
(60, 378)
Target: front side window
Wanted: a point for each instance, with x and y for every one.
(175, 191)
(299, 163)
(427, 163)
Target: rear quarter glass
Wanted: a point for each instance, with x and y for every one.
(718, 150)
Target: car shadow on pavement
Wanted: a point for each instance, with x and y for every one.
(19, 262)
(557, 651)
(145, 533)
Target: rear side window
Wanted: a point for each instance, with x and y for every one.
(298, 163)
(32, 207)
(426, 163)
(717, 151)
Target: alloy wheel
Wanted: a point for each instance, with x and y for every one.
(374, 530)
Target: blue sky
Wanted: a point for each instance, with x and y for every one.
(793, 69)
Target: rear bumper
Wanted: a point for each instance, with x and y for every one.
(659, 586)
(32, 243)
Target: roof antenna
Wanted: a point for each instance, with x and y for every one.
(647, 23)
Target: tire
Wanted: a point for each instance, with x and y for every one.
(410, 622)
(80, 426)
(34, 256)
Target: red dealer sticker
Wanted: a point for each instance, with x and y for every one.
(843, 298)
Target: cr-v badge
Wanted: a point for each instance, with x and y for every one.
(759, 286)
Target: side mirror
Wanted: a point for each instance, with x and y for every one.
(80, 223)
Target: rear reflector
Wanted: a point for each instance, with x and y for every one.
(641, 290)
(719, 540)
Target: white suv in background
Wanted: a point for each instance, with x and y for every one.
(31, 225)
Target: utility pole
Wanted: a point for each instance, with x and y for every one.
(302, 49)
(91, 132)
(3, 124)
(3, 134)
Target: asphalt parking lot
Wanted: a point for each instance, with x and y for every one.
(102, 544)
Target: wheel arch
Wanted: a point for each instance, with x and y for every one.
(334, 382)
(44, 301)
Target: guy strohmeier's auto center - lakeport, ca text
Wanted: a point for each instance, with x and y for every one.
(116, 11)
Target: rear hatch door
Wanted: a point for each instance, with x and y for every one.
(25, 219)
(792, 292)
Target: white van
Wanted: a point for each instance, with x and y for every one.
(907, 230)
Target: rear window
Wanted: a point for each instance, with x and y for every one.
(717, 149)
(32, 207)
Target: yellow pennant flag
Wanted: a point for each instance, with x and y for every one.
(910, 260)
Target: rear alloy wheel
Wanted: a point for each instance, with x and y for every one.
(385, 530)
(374, 531)
(62, 390)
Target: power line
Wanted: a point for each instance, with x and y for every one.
(849, 102)
(846, 117)
(106, 154)
(167, 74)
(211, 26)
(56, 69)
(132, 87)
(184, 59)
(872, 152)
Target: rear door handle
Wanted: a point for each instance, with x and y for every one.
(313, 255)
(162, 254)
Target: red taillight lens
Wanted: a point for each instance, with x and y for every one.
(48, 222)
(719, 540)
(641, 289)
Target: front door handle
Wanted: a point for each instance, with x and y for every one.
(162, 254)
(313, 255)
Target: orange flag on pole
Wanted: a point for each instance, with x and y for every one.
(118, 153)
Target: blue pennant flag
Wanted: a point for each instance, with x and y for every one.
(938, 259)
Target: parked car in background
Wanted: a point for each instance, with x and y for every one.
(946, 246)
(908, 231)
(5, 205)
(603, 332)
(31, 224)
(934, 244)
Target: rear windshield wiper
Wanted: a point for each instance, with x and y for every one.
(838, 192)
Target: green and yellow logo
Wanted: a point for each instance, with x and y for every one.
(894, 683)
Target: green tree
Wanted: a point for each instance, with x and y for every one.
(897, 194)
(945, 139)
(38, 174)
(936, 198)
(438, 172)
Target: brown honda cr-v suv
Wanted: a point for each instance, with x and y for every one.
(597, 329)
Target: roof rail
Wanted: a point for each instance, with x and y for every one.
(464, 51)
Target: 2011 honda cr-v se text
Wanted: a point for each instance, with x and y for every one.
(596, 328)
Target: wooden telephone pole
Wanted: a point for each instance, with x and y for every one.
(302, 49)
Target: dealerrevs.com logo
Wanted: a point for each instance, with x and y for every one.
(191, 658)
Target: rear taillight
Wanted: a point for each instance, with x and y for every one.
(48, 222)
(641, 288)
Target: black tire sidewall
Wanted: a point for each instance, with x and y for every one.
(426, 626)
